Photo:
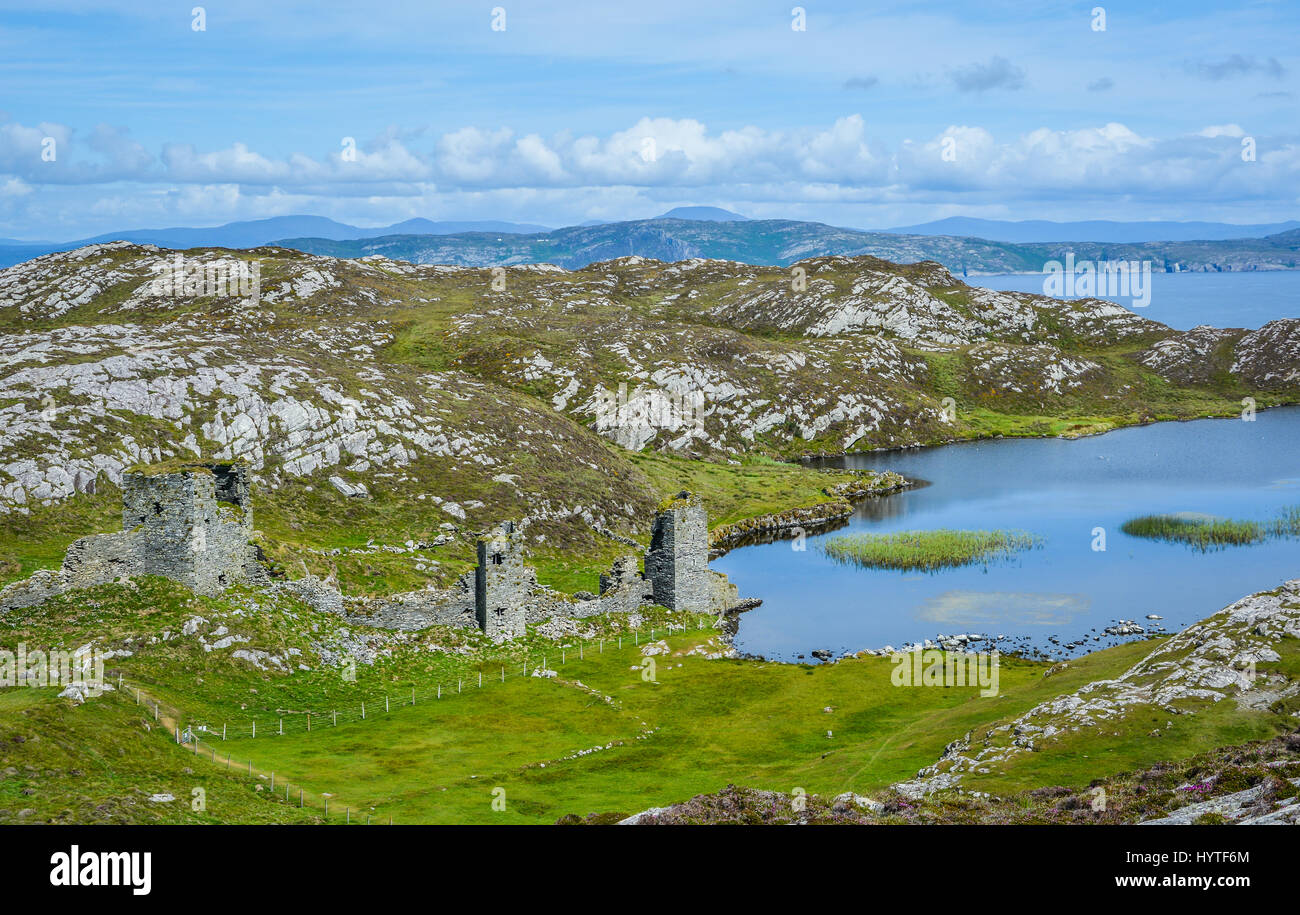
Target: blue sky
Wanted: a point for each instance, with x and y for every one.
(876, 114)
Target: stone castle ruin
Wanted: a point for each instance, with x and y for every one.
(502, 596)
(193, 523)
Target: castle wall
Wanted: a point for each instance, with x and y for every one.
(420, 610)
(194, 526)
(503, 585)
(43, 584)
(677, 564)
(183, 532)
(502, 596)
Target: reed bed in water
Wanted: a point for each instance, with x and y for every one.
(1203, 533)
(1212, 533)
(928, 550)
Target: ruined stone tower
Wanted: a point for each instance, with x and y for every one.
(677, 563)
(191, 523)
(502, 584)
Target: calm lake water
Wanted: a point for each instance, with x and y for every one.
(1060, 490)
(1184, 300)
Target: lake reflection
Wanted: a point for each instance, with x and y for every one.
(1067, 492)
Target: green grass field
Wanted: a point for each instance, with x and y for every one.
(602, 737)
(700, 725)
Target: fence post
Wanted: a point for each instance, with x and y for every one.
(363, 710)
(336, 717)
(439, 690)
(178, 735)
(459, 683)
(385, 704)
(349, 815)
(309, 722)
(503, 673)
(412, 695)
(480, 679)
(281, 727)
(223, 730)
(250, 767)
(254, 728)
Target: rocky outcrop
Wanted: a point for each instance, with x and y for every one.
(1269, 358)
(1190, 357)
(315, 381)
(1250, 807)
(1218, 659)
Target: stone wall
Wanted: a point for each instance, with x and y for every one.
(503, 584)
(677, 564)
(29, 592)
(192, 524)
(419, 610)
(502, 596)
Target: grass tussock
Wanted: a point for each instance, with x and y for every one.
(928, 550)
(1207, 533)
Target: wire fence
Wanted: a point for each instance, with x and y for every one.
(204, 738)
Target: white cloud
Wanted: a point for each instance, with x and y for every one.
(530, 177)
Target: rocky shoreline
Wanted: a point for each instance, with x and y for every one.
(784, 525)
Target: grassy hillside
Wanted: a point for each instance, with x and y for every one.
(701, 724)
(599, 738)
(381, 403)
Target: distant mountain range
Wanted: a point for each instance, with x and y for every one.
(1098, 230)
(963, 245)
(255, 232)
(784, 241)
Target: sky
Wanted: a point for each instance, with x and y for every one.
(156, 113)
